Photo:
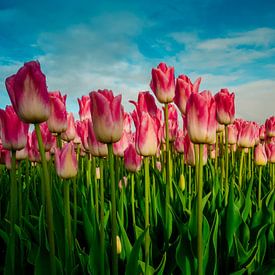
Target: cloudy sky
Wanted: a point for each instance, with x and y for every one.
(87, 45)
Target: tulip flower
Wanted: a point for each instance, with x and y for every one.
(57, 121)
(70, 133)
(95, 147)
(172, 123)
(201, 117)
(146, 135)
(84, 107)
(146, 103)
(22, 154)
(232, 134)
(270, 152)
(132, 160)
(163, 83)
(120, 146)
(262, 132)
(127, 120)
(184, 88)
(107, 115)
(66, 162)
(47, 137)
(179, 142)
(27, 90)
(260, 157)
(13, 131)
(225, 107)
(247, 134)
(270, 127)
(5, 157)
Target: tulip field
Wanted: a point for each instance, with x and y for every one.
(181, 186)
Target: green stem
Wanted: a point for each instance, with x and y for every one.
(96, 190)
(200, 212)
(168, 179)
(260, 187)
(241, 168)
(58, 140)
(196, 151)
(189, 187)
(13, 218)
(102, 234)
(226, 165)
(133, 200)
(75, 207)
(67, 222)
(147, 221)
(216, 151)
(113, 202)
(49, 208)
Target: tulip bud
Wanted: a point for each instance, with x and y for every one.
(182, 182)
(84, 107)
(201, 118)
(107, 115)
(260, 157)
(184, 88)
(132, 160)
(225, 107)
(118, 245)
(28, 93)
(12, 130)
(66, 162)
(163, 83)
(270, 127)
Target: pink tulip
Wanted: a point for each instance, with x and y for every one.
(201, 118)
(270, 151)
(262, 132)
(219, 128)
(5, 157)
(260, 157)
(57, 121)
(132, 160)
(95, 147)
(146, 103)
(22, 154)
(82, 131)
(120, 146)
(163, 83)
(122, 183)
(27, 90)
(70, 133)
(84, 107)
(172, 124)
(184, 88)
(107, 115)
(225, 107)
(32, 147)
(232, 134)
(179, 142)
(270, 127)
(146, 134)
(247, 134)
(13, 131)
(47, 137)
(66, 162)
(127, 121)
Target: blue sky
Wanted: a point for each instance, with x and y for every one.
(88, 45)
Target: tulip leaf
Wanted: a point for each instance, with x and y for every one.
(132, 263)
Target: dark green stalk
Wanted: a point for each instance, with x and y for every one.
(49, 208)
(260, 188)
(133, 200)
(200, 212)
(67, 222)
(226, 165)
(147, 221)
(168, 179)
(113, 202)
(13, 216)
(241, 168)
(102, 234)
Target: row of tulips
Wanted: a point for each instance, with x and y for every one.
(96, 156)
